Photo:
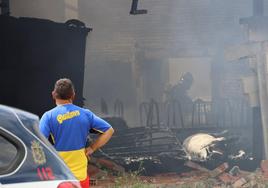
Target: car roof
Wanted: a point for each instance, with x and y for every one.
(12, 110)
(8, 113)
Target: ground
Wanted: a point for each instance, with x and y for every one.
(198, 177)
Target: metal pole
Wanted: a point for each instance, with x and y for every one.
(263, 96)
(258, 7)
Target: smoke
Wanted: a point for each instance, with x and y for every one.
(49, 9)
(135, 58)
(171, 30)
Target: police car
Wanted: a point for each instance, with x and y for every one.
(27, 160)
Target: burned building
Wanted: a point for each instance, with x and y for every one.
(134, 73)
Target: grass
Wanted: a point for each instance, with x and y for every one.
(131, 180)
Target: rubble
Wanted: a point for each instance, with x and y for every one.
(94, 171)
(156, 148)
(223, 176)
(212, 173)
(100, 167)
(227, 178)
(239, 183)
(264, 168)
(108, 164)
(234, 171)
(196, 166)
(219, 170)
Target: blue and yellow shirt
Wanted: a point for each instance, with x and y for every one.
(69, 126)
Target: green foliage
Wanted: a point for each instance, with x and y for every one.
(131, 180)
(198, 184)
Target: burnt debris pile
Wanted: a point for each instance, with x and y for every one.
(162, 150)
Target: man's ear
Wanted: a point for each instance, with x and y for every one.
(53, 94)
(73, 97)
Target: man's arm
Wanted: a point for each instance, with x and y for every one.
(100, 141)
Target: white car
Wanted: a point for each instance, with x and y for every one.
(27, 160)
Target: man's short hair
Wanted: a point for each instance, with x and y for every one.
(64, 89)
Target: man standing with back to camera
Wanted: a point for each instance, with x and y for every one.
(69, 126)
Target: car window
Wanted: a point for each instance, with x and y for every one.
(8, 153)
(12, 152)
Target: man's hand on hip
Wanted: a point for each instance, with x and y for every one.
(89, 151)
